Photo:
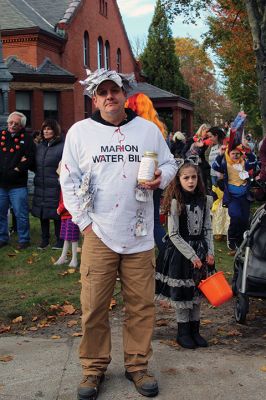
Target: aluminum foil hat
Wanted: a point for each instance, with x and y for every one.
(94, 79)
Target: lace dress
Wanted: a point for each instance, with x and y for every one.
(190, 236)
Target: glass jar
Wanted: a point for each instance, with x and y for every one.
(147, 167)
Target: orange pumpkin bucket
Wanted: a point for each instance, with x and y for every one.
(216, 289)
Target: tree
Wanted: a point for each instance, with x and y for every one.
(198, 72)
(230, 37)
(256, 12)
(159, 61)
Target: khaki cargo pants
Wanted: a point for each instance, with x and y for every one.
(99, 267)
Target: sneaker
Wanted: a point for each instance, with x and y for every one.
(2, 244)
(24, 245)
(145, 383)
(88, 388)
(43, 245)
(59, 245)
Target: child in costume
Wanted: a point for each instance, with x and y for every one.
(234, 163)
(189, 254)
(69, 232)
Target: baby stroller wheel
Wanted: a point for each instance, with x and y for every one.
(241, 308)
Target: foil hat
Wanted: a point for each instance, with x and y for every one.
(94, 79)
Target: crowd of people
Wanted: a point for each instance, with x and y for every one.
(88, 183)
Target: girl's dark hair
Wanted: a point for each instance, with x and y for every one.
(215, 131)
(53, 124)
(175, 191)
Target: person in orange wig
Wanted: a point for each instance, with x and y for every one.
(143, 106)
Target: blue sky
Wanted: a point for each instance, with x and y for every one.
(137, 16)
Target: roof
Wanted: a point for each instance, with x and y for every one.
(46, 69)
(155, 92)
(45, 14)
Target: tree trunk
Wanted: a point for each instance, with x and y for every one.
(256, 10)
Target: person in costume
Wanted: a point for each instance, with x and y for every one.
(69, 233)
(220, 217)
(98, 178)
(143, 106)
(189, 254)
(234, 163)
(17, 151)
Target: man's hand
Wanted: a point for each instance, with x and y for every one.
(88, 229)
(155, 183)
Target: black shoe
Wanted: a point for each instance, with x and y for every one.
(24, 245)
(43, 245)
(145, 383)
(89, 387)
(2, 244)
(59, 245)
(198, 339)
(184, 337)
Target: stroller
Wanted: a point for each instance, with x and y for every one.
(249, 278)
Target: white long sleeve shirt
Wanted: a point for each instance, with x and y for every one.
(109, 157)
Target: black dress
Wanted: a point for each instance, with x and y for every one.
(190, 236)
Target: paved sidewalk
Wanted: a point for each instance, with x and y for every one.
(47, 369)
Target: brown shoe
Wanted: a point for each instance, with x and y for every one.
(145, 383)
(89, 387)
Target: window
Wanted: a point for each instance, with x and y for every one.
(87, 107)
(100, 52)
(86, 49)
(107, 55)
(23, 104)
(118, 61)
(103, 7)
(50, 105)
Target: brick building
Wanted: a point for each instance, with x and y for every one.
(47, 46)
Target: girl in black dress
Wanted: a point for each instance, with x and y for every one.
(188, 257)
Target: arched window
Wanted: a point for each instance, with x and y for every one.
(118, 60)
(107, 55)
(100, 52)
(86, 49)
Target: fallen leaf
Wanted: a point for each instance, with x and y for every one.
(33, 328)
(17, 320)
(71, 270)
(62, 273)
(12, 255)
(51, 317)
(4, 328)
(44, 325)
(234, 332)
(112, 304)
(68, 309)
(263, 369)
(206, 321)
(53, 260)
(6, 358)
(23, 296)
(77, 334)
(162, 322)
(171, 343)
(30, 261)
(34, 319)
(214, 341)
(16, 251)
(71, 323)
(55, 337)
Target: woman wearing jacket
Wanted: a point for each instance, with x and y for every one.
(46, 183)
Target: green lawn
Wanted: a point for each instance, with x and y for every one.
(30, 283)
